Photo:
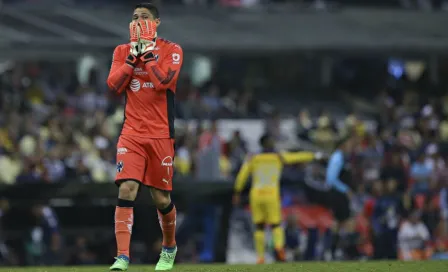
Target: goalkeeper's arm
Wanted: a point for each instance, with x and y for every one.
(120, 72)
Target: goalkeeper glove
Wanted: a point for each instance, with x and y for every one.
(148, 35)
(134, 31)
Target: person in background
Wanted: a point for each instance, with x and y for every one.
(292, 237)
(182, 160)
(387, 213)
(81, 253)
(237, 151)
(45, 244)
(350, 240)
(412, 239)
(211, 101)
(304, 124)
(421, 174)
(393, 169)
(441, 241)
(444, 203)
(209, 154)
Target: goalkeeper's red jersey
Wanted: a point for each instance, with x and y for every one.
(149, 88)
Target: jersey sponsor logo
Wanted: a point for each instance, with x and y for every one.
(148, 85)
(176, 58)
(134, 85)
(140, 72)
(120, 166)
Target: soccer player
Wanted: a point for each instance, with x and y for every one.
(146, 71)
(265, 203)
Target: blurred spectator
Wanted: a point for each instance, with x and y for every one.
(443, 129)
(236, 151)
(11, 167)
(350, 241)
(412, 239)
(304, 124)
(393, 169)
(45, 243)
(211, 100)
(81, 255)
(324, 135)
(292, 237)
(230, 100)
(210, 163)
(183, 159)
(444, 203)
(421, 174)
(387, 213)
(29, 174)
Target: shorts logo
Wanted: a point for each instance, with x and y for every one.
(168, 162)
(119, 166)
(122, 150)
(134, 85)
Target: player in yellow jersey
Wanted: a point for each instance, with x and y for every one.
(265, 202)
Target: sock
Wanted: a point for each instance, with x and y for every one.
(259, 243)
(278, 236)
(167, 219)
(124, 218)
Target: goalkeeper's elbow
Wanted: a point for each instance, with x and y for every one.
(113, 88)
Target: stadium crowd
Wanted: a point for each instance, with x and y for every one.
(54, 129)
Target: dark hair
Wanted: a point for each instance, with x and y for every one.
(151, 7)
(263, 139)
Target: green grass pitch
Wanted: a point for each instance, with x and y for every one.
(432, 266)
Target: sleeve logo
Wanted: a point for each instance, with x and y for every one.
(176, 58)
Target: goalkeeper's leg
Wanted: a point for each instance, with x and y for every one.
(259, 241)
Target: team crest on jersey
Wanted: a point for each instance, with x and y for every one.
(120, 166)
(157, 57)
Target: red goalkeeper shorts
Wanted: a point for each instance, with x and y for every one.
(145, 160)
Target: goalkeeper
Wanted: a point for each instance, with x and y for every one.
(146, 71)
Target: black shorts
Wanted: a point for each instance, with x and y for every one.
(340, 205)
(333, 200)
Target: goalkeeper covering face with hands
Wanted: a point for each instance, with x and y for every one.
(146, 70)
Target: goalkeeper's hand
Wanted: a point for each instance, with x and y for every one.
(147, 41)
(134, 33)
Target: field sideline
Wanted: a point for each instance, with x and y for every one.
(433, 266)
